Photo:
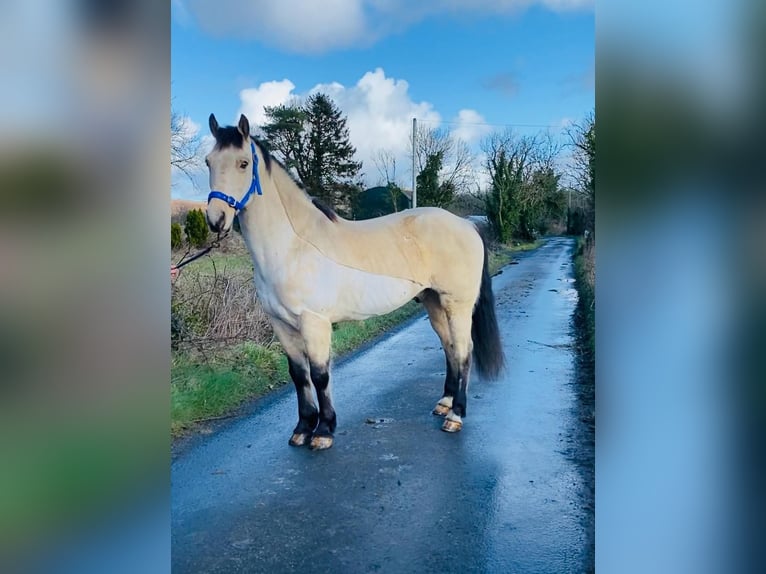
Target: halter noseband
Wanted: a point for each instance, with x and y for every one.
(255, 186)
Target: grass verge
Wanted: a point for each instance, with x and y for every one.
(585, 278)
(502, 255)
(585, 323)
(211, 386)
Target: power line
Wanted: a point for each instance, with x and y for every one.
(454, 122)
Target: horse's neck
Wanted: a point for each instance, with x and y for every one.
(276, 220)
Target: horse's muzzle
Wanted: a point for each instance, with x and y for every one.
(217, 225)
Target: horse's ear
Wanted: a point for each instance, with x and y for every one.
(213, 125)
(244, 126)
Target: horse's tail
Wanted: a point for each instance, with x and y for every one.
(487, 348)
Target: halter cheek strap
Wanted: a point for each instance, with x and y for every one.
(255, 186)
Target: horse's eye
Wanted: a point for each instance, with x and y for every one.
(243, 164)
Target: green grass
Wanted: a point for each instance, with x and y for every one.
(220, 262)
(210, 387)
(502, 255)
(585, 314)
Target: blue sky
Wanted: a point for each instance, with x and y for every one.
(466, 62)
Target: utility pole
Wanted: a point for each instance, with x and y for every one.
(414, 191)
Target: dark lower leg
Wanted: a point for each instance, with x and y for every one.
(450, 381)
(307, 411)
(460, 399)
(320, 376)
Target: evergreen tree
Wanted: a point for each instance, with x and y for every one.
(540, 203)
(502, 200)
(524, 196)
(196, 228)
(176, 235)
(430, 191)
(583, 142)
(285, 134)
(313, 140)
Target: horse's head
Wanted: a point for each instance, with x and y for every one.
(233, 165)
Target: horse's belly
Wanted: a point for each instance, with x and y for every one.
(368, 295)
(339, 293)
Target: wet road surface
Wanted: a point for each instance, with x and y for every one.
(395, 494)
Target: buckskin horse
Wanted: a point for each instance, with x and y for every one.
(313, 268)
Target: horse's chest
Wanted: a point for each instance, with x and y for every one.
(268, 296)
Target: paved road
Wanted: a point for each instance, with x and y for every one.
(507, 494)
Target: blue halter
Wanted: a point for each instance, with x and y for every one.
(255, 186)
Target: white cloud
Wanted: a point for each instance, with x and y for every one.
(188, 127)
(206, 144)
(379, 112)
(311, 26)
(471, 126)
(254, 100)
(295, 25)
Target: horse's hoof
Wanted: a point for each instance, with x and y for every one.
(299, 439)
(452, 426)
(320, 443)
(440, 410)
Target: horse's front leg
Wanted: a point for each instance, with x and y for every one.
(308, 415)
(323, 435)
(307, 410)
(317, 336)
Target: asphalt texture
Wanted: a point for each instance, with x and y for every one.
(511, 493)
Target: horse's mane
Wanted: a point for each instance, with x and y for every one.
(232, 137)
(324, 208)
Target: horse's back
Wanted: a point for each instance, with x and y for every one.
(421, 221)
(428, 245)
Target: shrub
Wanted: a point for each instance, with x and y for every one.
(176, 236)
(211, 310)
(196, 228)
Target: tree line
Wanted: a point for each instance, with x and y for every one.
(522, 198)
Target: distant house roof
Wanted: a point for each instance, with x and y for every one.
(380, 188)
(480, 219)
(377, 201)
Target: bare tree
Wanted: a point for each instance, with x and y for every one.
(457, 159)
(385, 163)
(521, 151)
(524, 193)
(547, 150)
(184, 146)
(582, 141)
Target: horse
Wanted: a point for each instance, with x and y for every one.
(313, 268)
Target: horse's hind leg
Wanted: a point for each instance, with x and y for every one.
(438, 318)
(317, 334)
(308, 415)
(459, 319)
